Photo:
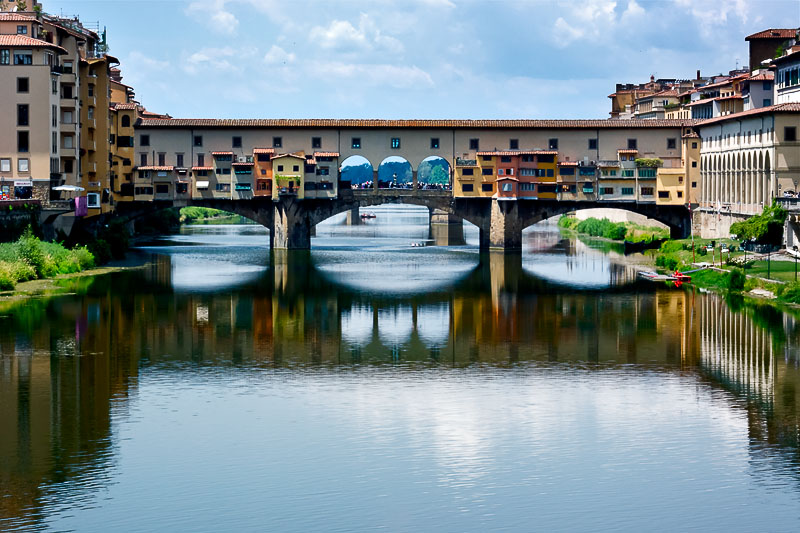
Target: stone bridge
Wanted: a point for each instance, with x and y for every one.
(500, 222)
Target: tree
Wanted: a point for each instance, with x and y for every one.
(22, 5)
(766, 228)
(439, 176)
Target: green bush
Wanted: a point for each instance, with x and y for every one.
(667, 261)
(736, 280)
(766, 228)
(791, 293)
(615, 232)
(30, 250)
(101, 250)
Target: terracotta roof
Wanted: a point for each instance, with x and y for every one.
(243, 164)
(791, 107)
(727, 81)
(731, 97)
(518, 152)
(221, 153)
(15, 17)
(568, 163)
(701, 101)
(202, 168)
(691, 135)
(326, 154)
(374, 123)
(58, 24)
(781, 33)
(124, 107)
(263, 151)
(157, 168)
(627, 151)
(667, 92)
(765, 75)
(506, 178)
(27, 42)
(288, 155)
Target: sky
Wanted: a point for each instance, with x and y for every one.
(415, 58)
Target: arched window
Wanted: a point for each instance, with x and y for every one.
(126, 121)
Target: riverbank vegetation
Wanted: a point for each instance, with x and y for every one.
(206, 215)
(615, 231)
(30, 258)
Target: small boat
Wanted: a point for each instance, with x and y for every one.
(368, 215)
(678, 277)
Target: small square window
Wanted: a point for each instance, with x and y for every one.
(143, 160)
(593, 145)
(474, 144)
(671, 144)
(144, 140)
(694, 164)
(355, 143)
(277, 142)
(632, 144)
(23, 165)
(296, 168)
(198, 140)
(23, 85)
(552, 144)
(22, 30)
(280, 168)
(236, 142)
(790, 133)
(395, 143)
(434, 143)
(694, 144)
(513, 144)
(316, 142)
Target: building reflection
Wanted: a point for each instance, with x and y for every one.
(69, 363)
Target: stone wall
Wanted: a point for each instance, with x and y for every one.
(713, 225)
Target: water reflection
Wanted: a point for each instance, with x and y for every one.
(71, 368)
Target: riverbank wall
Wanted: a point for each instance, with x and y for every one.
(16, 216)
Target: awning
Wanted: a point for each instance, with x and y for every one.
(72, 188)
(202, 185)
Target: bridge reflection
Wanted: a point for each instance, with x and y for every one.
(70, 365)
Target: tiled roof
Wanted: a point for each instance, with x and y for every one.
(764, 75)
(75, 33)
(326, 154)
(506, 178)
(374, 123)
(731, 97)
(519, 152)
(15, 17)
(243, 164)
(288, 155)
(691, 135)
(202, 168)
(257, 151)
(157, 168)
(772, 33)
(568, 163)
(791, 107)
(124, 107)
(27, 42)
(701, 101)
(627, 151)
(221, 153)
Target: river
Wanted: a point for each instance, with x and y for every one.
(372, 385)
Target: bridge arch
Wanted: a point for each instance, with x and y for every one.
(357, 171)
(434, 172)
(395, 172)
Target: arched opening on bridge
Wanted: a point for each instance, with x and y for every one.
(434, 173)
(395, 172)
(356, 172)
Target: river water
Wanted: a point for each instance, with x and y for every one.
(373, 385)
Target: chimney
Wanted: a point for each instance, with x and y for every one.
(698, 74)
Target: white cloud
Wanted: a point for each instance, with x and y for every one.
(395, 76)
(278, 56)
(594, 20)
(217, 60)
(714, 13)
(214, 15)
(342, 36)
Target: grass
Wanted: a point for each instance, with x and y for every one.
(206, 215)
(30, 258)
(616, 231)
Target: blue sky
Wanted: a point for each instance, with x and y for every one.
(415, 58)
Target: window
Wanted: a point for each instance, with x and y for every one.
(93, 200)
(181, 188)
(500, 171)
(316, 142)
(550, 172)
(262, 158)
(223, 187)
(395, 142)
(552, 188)
(790, 133)
(552, 144)
(236, 142)
(355, 143)
(607, 190)
(628, 173)
(202, 173)
(68, 142)
(474, 144)
(694, 144)
(647, 191)
(467, 187)
(680, 194)
(23, 85)
(592, 144)
(467, 171)
(90, 89)
(566, 171)
(487, 187)
(126, 121)
(198, 140)
(162, 159)
(694, 185)
(671, 144)
(22, 115)
(5, 165)
(627, 191)
(694, 164)
(505, 159)
(277, 142)
(609, 172)
(508, 187)
(5, 56)
(310, 169)
(142, 160)
(632, 144)
(647, 173)
(280, 168)
(22, 30)
(486, 157)
(54, 85)
(766, 102)
(162, 188)
(527, 172)
(434, 143)
(526, 187)
(545, 158)
(663, 195)
(323, 171)
(487, 171)
(295, 168)
(179, 160)
(23, 57)
(22, 165)
(201, 160)
(23, 141)
(144, 140)
(513, 144)
(90, 113)
(66, 92)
